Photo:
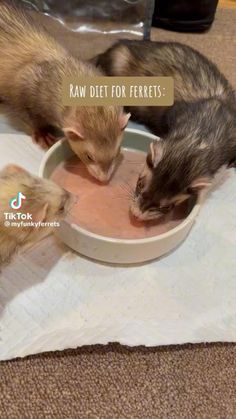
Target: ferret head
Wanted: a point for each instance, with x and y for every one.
(200, 141)
(95, 135)
(170, 176)
(44, 200)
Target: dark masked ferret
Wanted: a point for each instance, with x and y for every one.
(45, 201)
(198, 133)
(32, 68)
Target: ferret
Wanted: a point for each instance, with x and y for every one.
(45, 201)
(32, 67)
(198, 133)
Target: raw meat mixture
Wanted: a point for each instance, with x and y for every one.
(104, 209)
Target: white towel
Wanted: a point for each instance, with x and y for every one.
(52, 298)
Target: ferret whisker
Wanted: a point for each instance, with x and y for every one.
(123, 195)
(123, 198)
(128, 192)
(134, 163)
(129, 187)
(69, 213)
(125, 189)
(72, 167)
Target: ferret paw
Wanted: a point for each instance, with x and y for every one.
(45, 141)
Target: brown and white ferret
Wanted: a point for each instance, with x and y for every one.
(32, 68)
(45, 201)
(198, 133)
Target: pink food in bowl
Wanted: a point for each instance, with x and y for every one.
(104, 208)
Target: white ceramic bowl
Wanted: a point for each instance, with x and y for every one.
(122, 251)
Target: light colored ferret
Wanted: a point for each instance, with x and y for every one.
(32, 67)
(45, 201)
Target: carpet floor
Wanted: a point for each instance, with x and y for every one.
(115, 382)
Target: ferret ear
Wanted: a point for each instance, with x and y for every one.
(123, 120)
(40, 214)
(12, 169)
(198, 184)
(73, 135)
(156, 152)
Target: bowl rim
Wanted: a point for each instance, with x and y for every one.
(189, 219)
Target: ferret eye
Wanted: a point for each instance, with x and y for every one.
(61, 209)
(153, 209)
(166, 208)
(189, 191)
(89, 157)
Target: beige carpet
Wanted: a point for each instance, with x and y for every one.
(219, 44)
(114, 382)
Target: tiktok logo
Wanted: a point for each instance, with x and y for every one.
(16, 203)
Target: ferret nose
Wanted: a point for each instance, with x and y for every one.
(104, 176)
(106, 171)
(135, 210)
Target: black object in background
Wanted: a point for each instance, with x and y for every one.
(184, 15)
